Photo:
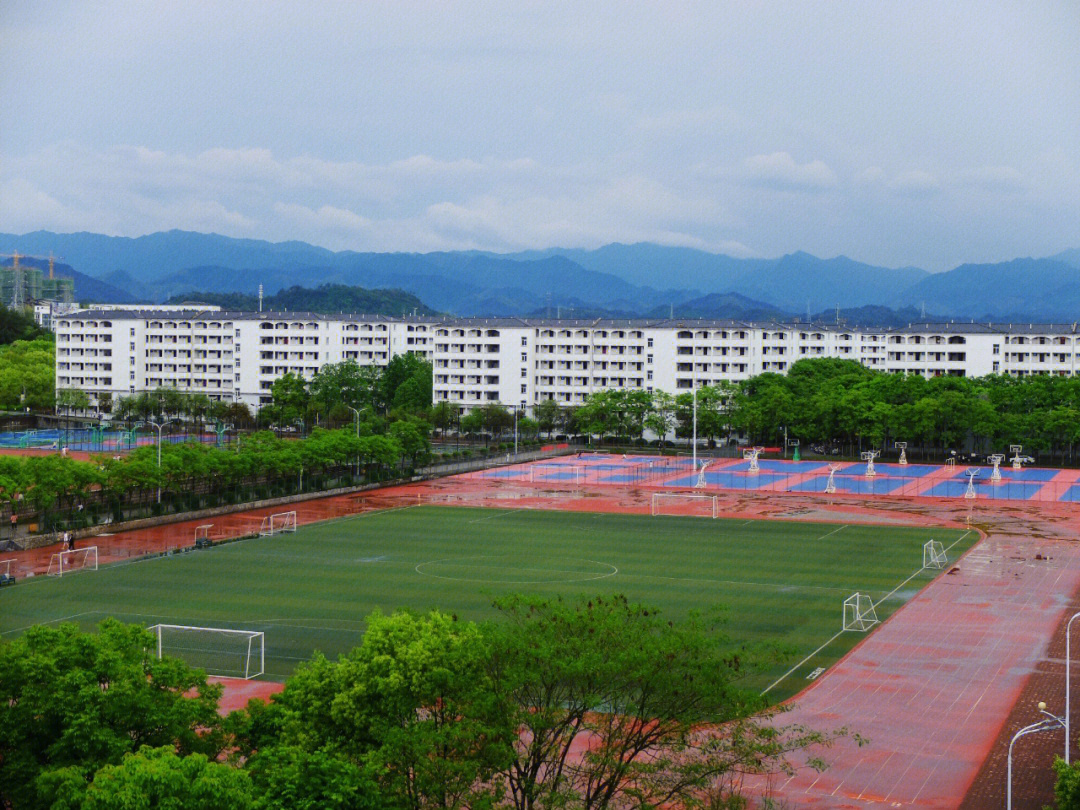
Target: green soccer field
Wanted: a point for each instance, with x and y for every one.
(781, 581)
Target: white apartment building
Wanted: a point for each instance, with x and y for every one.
(514, 361)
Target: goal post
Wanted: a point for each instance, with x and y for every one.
(215, 650)
(277, 523)
(68, 562)
(859, 613)
(685, 504)
(933, 555)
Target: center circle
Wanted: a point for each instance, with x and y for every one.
(516, 569)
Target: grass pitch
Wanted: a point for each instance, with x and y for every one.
(781, 581)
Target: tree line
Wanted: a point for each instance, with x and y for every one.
(429, 711)
(844, 405)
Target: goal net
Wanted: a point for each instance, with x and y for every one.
(68, 562)
(277, 523)
(554, 473)
(933, 555)
(678, 503)
(215, 650)
(5, 570)
(859, 613)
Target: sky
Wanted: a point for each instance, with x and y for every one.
(898, 133)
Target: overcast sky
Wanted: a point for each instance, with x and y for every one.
(901, 133)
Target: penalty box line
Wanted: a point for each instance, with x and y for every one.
(839, 633)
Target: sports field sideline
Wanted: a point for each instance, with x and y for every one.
(781, 581)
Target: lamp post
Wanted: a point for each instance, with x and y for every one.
(1050, 723)
(1068, 673)
(357, 412)
(159, 427)
(515, 432)
(693, 440)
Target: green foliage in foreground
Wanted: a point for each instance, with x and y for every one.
(1067, 786)
(71, 702)
(427, 712)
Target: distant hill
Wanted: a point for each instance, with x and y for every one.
(1037, 289)
(721, 305)
(639, 278)
(328, 298)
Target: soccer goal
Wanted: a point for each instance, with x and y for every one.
(68, 562)
(215, 650)
(859, 613)
(933, 555)
(685, 504)
(6, 576)
(555, 473)
(202, 535)
(277, 523)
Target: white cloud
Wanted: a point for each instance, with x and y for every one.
(780, 171)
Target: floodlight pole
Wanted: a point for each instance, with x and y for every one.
(159, 429)
(354, 410)
(1051, 722)
(515, 432)
(694, 439)
(1068, 673)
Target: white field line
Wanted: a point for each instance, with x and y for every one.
(834, 531)
(841, 632)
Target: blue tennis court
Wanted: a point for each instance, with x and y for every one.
(1007, 490)
(1009, 474)
(728, 480)
(852, 485)
(777, 465)
(1072, 494)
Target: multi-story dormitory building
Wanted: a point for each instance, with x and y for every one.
(517, 361)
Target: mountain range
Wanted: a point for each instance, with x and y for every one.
(639, 279)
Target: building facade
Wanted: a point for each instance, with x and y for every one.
(237, 356)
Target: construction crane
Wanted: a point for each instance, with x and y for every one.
(17, 281)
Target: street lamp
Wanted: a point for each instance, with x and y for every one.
(1068, 673)
(357, 412)
(159, 427)
(1050, 723)
(515, 432)
(694, 439)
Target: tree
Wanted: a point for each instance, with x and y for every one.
(443, 416)
(547, 413)
(405, 384)
(495, 418)
(1067, 786)
(158, 779)
(661, 418)
(290, 398)
(658, 701)
(345, 383)
(28, 375)
(410, 707)
(18, 324)
(80, 701)
(412, 436)
(290, 778)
